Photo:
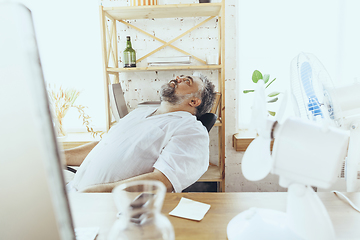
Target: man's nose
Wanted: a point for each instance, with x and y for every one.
(178, 79)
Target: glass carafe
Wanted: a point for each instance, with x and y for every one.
(139, 204)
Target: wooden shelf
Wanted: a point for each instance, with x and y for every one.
(164, 11)
(218, 123)
(211, 175)
(241, 143)
(165, 68)
(109, 16)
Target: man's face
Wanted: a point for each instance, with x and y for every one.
(179, 88)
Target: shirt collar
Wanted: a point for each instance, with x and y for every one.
(181, 114)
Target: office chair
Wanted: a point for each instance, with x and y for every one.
(208, 120)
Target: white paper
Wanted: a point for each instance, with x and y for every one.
(190, 209)
(86, 233)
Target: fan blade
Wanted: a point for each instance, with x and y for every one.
(307, 80)
(257, 162)
(259, 112)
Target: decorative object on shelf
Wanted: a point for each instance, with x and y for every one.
(257, 75)
(143, 2)
(204, 1)
(61, 100)
(166, 61)
(129, 54)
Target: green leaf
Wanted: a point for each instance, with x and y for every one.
(247, 91)
(270, 83)
(272, 113)
(273, 100)
(266, 78)
(256, 76)
(273, 94)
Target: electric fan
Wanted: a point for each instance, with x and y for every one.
(317, 99)
(298, 144)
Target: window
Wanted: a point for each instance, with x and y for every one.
(68, 36)
(271, 33)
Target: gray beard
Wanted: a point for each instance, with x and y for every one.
(167, 94)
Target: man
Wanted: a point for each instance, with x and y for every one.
(166, 144)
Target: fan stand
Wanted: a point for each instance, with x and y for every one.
(305, 218)
(353, 159)
(307, 214)
(260, 223)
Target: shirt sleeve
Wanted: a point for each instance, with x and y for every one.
(186, 157)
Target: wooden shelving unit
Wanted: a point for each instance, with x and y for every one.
(110, 15)
(167, 68)
(164, 11)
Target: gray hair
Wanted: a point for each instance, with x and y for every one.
(207, 95)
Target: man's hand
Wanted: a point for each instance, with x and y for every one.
(108, 187)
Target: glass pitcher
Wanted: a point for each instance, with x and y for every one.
(139, 204)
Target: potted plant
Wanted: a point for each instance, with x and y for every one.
(272, 96)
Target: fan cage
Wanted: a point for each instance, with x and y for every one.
(314, 98)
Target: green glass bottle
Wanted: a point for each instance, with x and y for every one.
(129, 54)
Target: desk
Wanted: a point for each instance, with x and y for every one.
(77, 139)
(98, 210)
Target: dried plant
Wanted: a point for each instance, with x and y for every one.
(86, 121)
(61, 100)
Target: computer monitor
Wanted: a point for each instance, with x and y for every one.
(34, 202)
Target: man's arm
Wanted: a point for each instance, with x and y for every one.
(75, 156)
(108, 187)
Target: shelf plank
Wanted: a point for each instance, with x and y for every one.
(164, 11)
(211, 175)
(241, 144)
(166, 68)
(218, 123)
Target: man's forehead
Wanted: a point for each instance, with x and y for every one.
(197, 79)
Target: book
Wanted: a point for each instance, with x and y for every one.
(171, 59)
(168, 64)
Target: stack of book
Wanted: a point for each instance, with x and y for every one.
(169, 61)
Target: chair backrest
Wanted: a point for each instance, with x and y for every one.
(208, 120)
(117, 101)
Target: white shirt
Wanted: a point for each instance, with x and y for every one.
(174, 143)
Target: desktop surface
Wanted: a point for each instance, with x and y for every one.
(98, 210)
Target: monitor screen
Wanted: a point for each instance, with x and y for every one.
(34, 203)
